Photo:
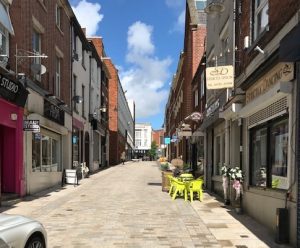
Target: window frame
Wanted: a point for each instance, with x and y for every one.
(58, 15)
(57, 89)
(4, 33)
(37, 40)
(268, 125)
(257, 10)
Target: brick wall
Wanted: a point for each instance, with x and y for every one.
(277, 19)
(22, 13)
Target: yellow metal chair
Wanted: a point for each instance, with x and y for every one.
(180, 187)
(196, 186)
(172, 185)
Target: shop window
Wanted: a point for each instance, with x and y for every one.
(269, 154)
(46, 152)
(218, 161)
(260, 17)
(196, 98)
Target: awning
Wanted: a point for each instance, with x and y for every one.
(279, 90)
(5, 19)
(289, 50)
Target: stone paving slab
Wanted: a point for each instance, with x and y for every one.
(123, 206)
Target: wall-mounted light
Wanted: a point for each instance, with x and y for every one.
(103, 109)
(77, 99)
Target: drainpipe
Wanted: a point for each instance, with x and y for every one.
(298, 150)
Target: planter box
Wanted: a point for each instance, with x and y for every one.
(165, 180)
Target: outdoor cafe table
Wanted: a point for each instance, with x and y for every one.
(185, 177)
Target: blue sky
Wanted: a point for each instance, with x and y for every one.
(143, 38)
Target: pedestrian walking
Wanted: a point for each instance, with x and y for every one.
(123, 157)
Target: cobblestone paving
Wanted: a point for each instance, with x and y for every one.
(123, 206)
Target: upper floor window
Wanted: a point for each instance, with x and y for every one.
(261, 17)
(196, 98)
(202, 82)
(57, 76)
(36, 48)
(75, 92)
(3, 43)
(58, 12)
(200, 4)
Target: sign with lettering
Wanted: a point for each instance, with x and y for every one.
(283, 72)
(31, 125)
(167, 140)
(219, 77)
(12, 91)
(54, 113)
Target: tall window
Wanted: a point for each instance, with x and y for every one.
(36, 48)
(58, 16)
(261, 17)
(83, 101)
(75, 91)
(202, 82)
(196, 97)
(57, 76)
(269, 154)
(3, 42)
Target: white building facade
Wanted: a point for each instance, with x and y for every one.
(143, 139)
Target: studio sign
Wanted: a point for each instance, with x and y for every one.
(13, 91)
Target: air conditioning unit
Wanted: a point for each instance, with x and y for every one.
(246, 42)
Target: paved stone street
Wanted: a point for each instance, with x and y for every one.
(123, 206)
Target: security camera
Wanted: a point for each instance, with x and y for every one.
(257, 48)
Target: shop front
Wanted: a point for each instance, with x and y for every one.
(269, 138)
(47, 150)
(13, 97)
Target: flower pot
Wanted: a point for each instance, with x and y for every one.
(165, 184)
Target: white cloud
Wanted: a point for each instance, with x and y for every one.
(179, 25)
(148, 75)
(88, 15)
(175, 3)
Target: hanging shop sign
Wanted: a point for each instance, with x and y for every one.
(54, 113)
(219, 77)
(167, 140)
(31, 126)
(283, 72)
(13, 91)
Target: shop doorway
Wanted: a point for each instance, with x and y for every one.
(7, 159)
(87, 148)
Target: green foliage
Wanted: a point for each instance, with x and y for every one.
(164, 166)
(152, 151)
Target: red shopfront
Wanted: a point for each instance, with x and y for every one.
(12, 99)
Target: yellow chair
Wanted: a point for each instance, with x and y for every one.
(172, 185)
(196, 186)
(180, 188)
(275, 183)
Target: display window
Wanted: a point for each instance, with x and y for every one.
(269, 154)
(46, 152)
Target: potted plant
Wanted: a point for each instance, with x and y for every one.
(165, 172)
(225, 179)
(236, 176)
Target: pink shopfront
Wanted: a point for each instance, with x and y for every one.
(13, 96)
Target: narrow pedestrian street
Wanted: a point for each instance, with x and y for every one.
(123, 206)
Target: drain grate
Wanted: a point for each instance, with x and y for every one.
(244, 236)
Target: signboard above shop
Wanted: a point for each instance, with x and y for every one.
(219, 77)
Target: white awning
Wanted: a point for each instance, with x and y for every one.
(5, 19)
(279, 90)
